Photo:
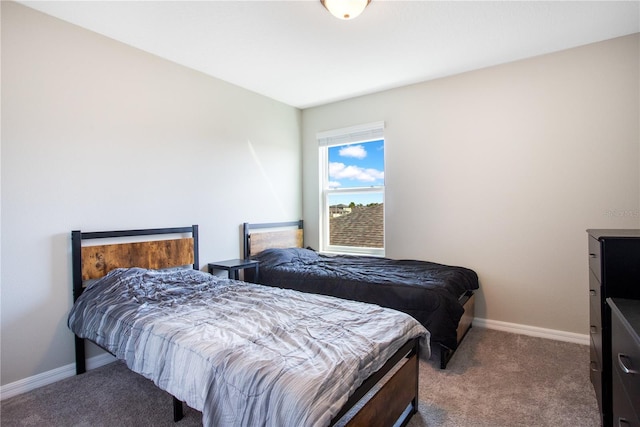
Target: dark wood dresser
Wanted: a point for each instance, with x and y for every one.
(614, 272)
(625, 352)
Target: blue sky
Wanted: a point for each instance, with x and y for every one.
(356, 166)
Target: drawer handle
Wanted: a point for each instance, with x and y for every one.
(594, 329)
(594, 366)
(623, 422)
(624, 367)
(592, 292)
(592, 256)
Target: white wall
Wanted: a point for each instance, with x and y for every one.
(99, 136)
(502, 170)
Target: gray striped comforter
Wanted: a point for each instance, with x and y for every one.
(243, 354)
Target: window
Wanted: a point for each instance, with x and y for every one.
(352, 199)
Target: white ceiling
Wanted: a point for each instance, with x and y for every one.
(298, 53)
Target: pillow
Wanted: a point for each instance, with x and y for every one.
(274, 257)
(90, 282)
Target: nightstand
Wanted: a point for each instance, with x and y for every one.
(233, 266)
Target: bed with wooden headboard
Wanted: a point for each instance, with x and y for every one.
(391, 391)
(440, 296)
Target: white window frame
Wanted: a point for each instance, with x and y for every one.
(350, 135)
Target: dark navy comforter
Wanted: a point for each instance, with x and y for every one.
(427, 291)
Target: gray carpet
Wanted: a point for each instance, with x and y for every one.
(495, 379)
(501, 379)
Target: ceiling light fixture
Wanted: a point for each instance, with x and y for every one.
(345, 9)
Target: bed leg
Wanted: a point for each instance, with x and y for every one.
(178, 412)
(81, 367)
(445, 356)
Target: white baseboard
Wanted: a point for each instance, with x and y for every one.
(36, 381)
(532, 331)
(49, 377)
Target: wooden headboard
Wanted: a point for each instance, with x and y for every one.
(282, 235)
(92, 262)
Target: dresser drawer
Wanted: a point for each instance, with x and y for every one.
(595, 373)
(595, 320)
(624, 414)
(595, 300)
(595, 258)
(625, 358)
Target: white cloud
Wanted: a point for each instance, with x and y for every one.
(356, 151)
(339, 170)
(334, 184)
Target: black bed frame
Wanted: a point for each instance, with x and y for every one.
(444, 353)
(77, 237)
(409, 350)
